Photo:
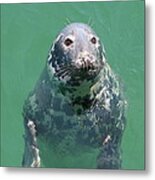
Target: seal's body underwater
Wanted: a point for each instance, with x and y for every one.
(76, 103)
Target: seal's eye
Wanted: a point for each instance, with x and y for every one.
(93, 40)
(68, 42)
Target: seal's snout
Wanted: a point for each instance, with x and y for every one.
(85, 61)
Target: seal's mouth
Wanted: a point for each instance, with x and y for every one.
(72, 71)
(84, 66)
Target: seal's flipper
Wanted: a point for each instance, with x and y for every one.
(31, 156)
(110, 154)
(109, 158)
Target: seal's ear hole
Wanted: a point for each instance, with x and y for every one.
(68, 42)
(93, 40)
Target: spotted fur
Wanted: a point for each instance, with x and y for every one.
(78, 100)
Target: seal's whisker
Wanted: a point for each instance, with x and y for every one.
(66, 73)
(60, 72)
(91, 24)
(68, 21)
(90, 20)
(63, 70)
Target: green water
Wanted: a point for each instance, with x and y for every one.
(27, 31)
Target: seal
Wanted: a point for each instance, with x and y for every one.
(77, 103)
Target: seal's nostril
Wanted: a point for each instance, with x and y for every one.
(85, 63)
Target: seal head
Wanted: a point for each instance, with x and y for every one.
(76, 54)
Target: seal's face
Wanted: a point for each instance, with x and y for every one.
(76, 54)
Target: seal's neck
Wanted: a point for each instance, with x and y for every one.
(88, 92)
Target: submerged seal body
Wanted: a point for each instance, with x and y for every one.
(77, 104)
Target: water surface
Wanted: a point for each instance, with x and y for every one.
(27, 31)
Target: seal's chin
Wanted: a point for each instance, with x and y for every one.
(85, 73)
